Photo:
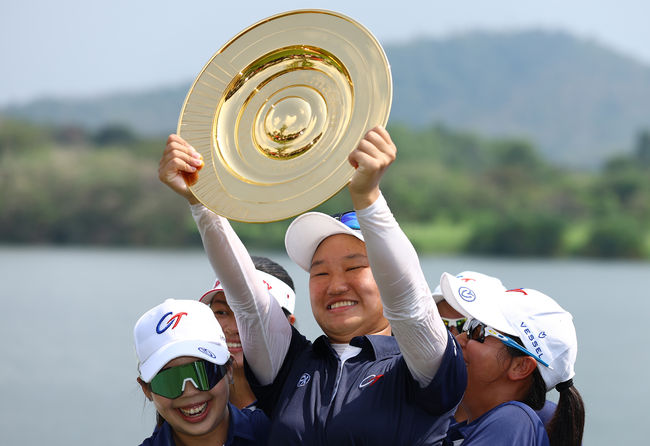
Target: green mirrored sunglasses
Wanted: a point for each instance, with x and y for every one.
(203, 375)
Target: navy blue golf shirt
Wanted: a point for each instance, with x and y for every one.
(374, 400)
(507, 424)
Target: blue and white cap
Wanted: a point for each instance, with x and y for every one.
(545, 328)
(177, 328)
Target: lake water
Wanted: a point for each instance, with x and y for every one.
(68, 368)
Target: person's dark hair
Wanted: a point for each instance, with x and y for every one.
(275, 269)
(568, 422)
(536, 396)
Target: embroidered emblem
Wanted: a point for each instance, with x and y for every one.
(369, 380)
(304, 379)
(466, 294)
(205, 351)
(175, 319)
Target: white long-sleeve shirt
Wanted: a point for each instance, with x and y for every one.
(264, 330)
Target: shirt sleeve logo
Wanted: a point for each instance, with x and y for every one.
(304, 379)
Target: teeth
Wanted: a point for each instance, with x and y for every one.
(343, 303)
(233, 344)
(194, 410)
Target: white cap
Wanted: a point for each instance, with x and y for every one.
(545, 328)
(307, 231)
(177, 328)
(282, 292)
(470, 277)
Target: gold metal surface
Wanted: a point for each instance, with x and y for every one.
(278, 109)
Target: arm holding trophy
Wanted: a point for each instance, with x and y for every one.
(263, 326)
(406, 298)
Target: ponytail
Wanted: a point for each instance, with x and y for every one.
(568, 422)
(567, 425)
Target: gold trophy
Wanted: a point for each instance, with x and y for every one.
(278, 109)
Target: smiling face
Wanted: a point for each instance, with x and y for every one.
(344, 296)
(195, 413)
(226, 319)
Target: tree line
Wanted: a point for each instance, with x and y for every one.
(452, 191)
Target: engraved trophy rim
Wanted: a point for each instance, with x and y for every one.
(277, 109)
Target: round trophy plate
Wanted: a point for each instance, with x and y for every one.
(278, 109)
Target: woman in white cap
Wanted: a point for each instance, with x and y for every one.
(517, 344)
(279, 283)
(349, 387)
(185, 369)
(455, 320)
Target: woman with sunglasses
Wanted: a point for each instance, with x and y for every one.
(356, 384)
(185, 369)
(517, 344)
(454, 321)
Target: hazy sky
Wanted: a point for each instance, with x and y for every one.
(90, 47)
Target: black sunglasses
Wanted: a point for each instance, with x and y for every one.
(478, 331)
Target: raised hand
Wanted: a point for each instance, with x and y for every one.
(371, 158)
(179, 165)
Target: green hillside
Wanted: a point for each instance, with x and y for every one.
(453, 192)
(578, 102)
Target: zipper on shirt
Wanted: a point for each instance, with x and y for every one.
(350, 352)
(338, 380)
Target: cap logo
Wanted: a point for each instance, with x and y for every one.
(517, 290)
(205, 351)
(531, 337)
(268, 285)
(175, 319)
(466, 294)
(467, 279)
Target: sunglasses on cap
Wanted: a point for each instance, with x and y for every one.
(454, 323)
(478, 331)
(203, 374)
(349, 219)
